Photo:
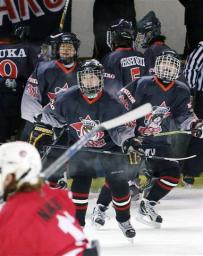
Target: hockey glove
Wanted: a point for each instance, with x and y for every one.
(132, 147)
(197, 129)
(41, 135)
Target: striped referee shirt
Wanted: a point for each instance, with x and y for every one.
(194, 68)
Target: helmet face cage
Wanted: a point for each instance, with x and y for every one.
(140, 40)
(150, 27)
(69, 39)
(46, 51)
(146, 34)
(167, 68)
(91, 82)
(109, 39)
(67, 53)
(49, 49)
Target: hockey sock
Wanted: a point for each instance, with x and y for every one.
(80, 188)
(162, 187)
(121, 199)
(105, 196)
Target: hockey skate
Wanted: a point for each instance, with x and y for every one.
(99, 216)
(147, 215)
(128, 230)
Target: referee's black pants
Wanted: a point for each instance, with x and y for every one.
(194, 167)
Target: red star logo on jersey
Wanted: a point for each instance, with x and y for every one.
(85, 126)
(52, 95)
(153, 121)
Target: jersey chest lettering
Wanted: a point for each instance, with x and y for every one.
(13, 53)
(49, 209)
(22, 9)
(132, 61)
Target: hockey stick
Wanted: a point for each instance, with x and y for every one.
(61, 25)
(117, 121)
(173, 159)
(172, 133)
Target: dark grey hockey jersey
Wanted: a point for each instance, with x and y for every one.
(17, 62)
(122, 66)
(171, 108)
(72, 109)
(48, 79)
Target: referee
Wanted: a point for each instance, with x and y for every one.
(194, 76)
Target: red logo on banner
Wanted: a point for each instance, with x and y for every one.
(16, 11)
(8, 69)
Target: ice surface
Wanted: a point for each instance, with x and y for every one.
(181, 232)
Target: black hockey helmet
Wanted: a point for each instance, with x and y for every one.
(91, 78)
(49, 48)
(121, 33)
(149, 29)
(71, 39)
(167, 66)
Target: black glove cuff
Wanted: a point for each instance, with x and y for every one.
(130, 145)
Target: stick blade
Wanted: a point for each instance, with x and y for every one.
(180, 158)
(128, 117)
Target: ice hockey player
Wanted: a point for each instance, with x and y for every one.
(49, 47)
(81, 108)
(35, 219)
(48, 78)
(124, 63)
(170, 100)
(17, 61)
(149, 37)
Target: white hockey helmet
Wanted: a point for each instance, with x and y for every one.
(21, 159)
